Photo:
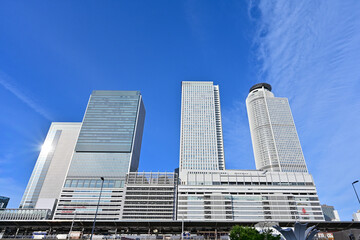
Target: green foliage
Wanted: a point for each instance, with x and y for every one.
(244, 233)
(269, 236)
(249, 233)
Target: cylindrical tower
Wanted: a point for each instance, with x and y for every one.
(274, 137)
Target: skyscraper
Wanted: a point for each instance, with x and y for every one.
(201, 137)
(108, 146)
(4, 201)
(207, 191)
(330, 214)
(274, 137)
(101, 157)
(110, 137)
(50, 169)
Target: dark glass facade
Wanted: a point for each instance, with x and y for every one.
(110, 137)
(4, 201)
(107, 149)
(109, 122)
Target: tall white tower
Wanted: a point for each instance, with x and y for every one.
(54, 159)
(201, 137)
(274, 137)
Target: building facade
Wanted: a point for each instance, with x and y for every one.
(248, 195)
(110, 137)
(356, 216)
(330, 214)
(50, 169)
(274, 137)
(280, 190)
(25, 214)
(201, 137)
(108, 146)
(94, 164)
(150, 196)
(4, 201)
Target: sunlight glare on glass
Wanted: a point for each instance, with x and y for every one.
(45, 148)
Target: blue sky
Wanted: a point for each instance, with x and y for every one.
(54, 53)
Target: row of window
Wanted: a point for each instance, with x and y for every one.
(93, 183)
(253, 183)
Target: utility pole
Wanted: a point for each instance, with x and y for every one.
(355, 190)
(97, 208)
(72, 224)
(182, 227)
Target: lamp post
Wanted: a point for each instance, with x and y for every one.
(182, 227)
(355, 190)
(97, 208)
(72, 225)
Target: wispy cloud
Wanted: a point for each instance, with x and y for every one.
(30, 101)
(5, 158)
(310, 52)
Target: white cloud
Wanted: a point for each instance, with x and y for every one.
(9, 85)
(309, 51)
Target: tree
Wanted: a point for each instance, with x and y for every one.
(249, 233)
(244, 233)
(268, 235)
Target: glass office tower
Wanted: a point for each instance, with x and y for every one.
(330, 214)
(201, 137)
(274, 137)
(110, 137)
(4, 201)
(108, 146)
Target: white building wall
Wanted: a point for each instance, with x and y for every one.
(356, 216)
(142, 196)
(56, 173)
(79, 199)
(248, 196)
(201, 141)
(219, 133)
(337, 216)
(150, 195)
(274, 137)
(51, 166)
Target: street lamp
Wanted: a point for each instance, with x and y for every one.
(97, 208)
(355, 190)
(72, 225)
(182, 228)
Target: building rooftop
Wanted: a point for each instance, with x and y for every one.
(260, 85)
